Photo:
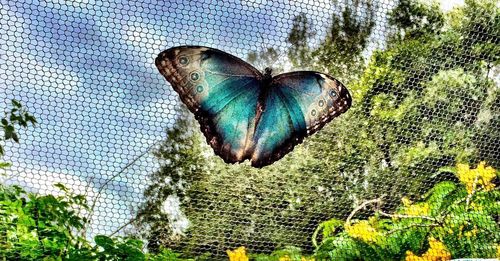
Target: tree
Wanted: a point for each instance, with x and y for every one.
(160, 218)
(421, 105)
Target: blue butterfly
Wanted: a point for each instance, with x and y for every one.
(245, 114)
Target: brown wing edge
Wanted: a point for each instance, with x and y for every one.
(207, 126)
(289, 145)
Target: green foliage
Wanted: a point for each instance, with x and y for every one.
(17, 116)
(184, 166)
(417, 107)
(285, 254)
(43, 227)
(34, 226)
(339, 53)
(449, 219)
(415, 19)
(301, 31)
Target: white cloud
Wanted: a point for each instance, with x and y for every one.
(42, 180)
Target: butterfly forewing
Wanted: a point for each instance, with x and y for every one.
(220, 89)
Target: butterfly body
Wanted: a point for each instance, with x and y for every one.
(245, 114)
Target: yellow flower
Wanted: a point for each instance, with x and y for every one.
(476, 206)
(306, 259)
(412, 257)
(406, 201)
(422, 209)
(436, 252)
(239, 254)
(285, 258)
(363, 230)
(481, 176)
(498, 251)
(418, 210)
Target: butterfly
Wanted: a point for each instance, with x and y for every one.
(245, 114)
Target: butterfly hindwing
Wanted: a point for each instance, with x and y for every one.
(220, 89)
(298, 104)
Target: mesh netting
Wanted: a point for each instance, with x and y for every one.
(425, 98)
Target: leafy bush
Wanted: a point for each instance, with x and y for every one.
(45, 227)
(451, 220)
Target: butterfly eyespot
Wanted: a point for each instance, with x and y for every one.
(194, 76)
(199, 88)
(333, 94)
(183, 60)
(321, 103)
(313, 112)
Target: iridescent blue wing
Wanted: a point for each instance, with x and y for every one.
(221, 90)
(297, 105)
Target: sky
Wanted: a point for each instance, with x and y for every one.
(86, 70)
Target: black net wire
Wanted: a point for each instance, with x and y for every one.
(110, 127)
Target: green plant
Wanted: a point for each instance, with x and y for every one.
(17, 116)
(44, 227)
(450, 220)
(35, 226)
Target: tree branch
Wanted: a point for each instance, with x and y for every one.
(405, 216)
(124, 225)
(101, 188)
(364, 204)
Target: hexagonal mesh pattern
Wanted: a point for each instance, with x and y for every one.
(425, 90)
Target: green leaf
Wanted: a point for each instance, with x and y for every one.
(5, 122)
(328, 228)
(444, 170)
(61, 187)
(439, 194)
(104, 241)
(5, 165)
(9, 129)
(339, 248)
(15, 137)
(16, 103)
(31, 119)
